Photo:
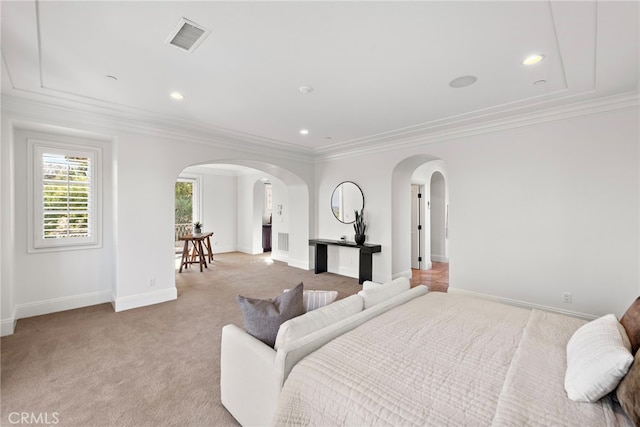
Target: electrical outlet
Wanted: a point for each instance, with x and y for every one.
(152, 282)
(566, 297)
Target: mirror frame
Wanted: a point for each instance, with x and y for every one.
(334, 192)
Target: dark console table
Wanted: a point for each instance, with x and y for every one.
(366, 250)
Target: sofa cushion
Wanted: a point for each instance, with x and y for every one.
(262, 318)
(598, 356)
(317, 319)
(369, 284)
(375, 294)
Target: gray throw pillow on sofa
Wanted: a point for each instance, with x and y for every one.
(262, 318)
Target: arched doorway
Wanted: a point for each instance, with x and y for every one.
(411, 176)
(233, 207)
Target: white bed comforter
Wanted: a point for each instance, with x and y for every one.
(442, 360)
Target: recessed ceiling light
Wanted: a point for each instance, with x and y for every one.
(177, 96)
(463, 81)
(533, 59)
(305, 89)
(304, 131)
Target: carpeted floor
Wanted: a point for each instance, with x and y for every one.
(152, 366)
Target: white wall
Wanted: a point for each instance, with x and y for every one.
(219, 206)
(549, 208)
(137, 264)
(371, 178)
(437, 210)
(533, 211)
(250, 208)
(280, 219)
(219, 214)
(7, 306)
(59, 280)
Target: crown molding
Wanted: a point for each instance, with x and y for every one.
(412, 137)
(213, 170)
(61, 112)
(70, 114)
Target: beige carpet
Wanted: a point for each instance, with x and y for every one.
(152, 366)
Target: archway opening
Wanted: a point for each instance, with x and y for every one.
(236, 207)
(412, 213)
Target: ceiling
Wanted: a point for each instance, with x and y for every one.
(376, 68)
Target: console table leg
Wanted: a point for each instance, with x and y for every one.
(366, 267)
(321, 259)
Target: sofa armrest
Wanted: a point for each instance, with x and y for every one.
(249, 382)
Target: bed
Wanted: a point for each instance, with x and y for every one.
(444, 359)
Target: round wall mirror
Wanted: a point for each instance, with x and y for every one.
(346, 198)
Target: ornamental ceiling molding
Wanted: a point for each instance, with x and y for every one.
(415, 137)
(72, 114)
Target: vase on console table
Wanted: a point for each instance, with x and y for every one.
(359, 226)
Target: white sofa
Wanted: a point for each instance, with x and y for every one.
(252, 373)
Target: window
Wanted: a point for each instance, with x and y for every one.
(187, 204)
(64, 205)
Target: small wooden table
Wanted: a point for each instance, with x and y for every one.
(198, 250)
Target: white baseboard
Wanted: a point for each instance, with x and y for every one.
(279, 256)
(248, 250)
(7, 326)
(142, 300)
(406, 273)
(245, 250)
(345, 271)
(424, 265)
(54, 305)
(299, 263)
(223, 250)
(439, 258)
(525, 304)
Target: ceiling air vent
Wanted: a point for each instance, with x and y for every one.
(187, 35)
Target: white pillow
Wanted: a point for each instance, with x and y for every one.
(375, 294)
(314, 320)
(598, 357)
(315, 299)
